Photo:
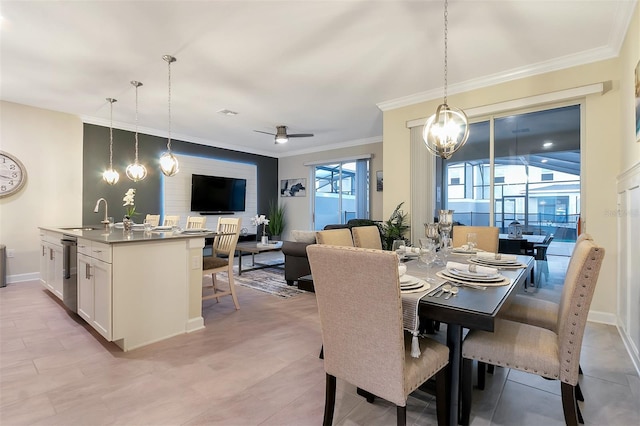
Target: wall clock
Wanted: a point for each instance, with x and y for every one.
(13, 174)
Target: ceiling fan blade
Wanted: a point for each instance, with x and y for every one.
(266, 133)
(301, 135)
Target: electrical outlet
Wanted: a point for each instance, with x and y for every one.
(11, 252)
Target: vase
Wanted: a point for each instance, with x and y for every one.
(127, 224)
(265, 239)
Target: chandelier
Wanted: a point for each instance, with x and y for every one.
(168, 162)
(447, 130)
(110, 175)
(136, 171)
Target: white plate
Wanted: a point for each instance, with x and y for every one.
(163, 228)
(424, 286)
(494, 261)
(472, 275)
(482, 280)
(408, 279)
(503, 281)
(516, 265)
(196, 231)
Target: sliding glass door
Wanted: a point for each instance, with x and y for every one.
(341, 192)
(530, 162)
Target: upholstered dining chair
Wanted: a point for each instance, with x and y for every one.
(360, 308)
(224, 245)
(171, 220)
(367, 237)
(335, 237)
(196, 222)
(487, 237)
(551, 354)
(154, 219)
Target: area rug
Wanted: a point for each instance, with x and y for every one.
(269, 280)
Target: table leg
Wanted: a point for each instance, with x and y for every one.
(239, 263)
(454, 342)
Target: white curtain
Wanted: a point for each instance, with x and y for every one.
(423, 185)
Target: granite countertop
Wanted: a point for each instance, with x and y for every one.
(102, 234)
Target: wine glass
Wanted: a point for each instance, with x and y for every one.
(472, 241)
(399, 247)
(428, 255)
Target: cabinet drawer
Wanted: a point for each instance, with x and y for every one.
(101, 251)
(84, 246)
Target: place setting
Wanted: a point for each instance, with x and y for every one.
(409, 283)
(474, 276)
(497, 260)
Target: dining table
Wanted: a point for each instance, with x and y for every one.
(471, 308)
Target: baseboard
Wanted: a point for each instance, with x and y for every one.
(18, 278)
(195, 324)
(602, 317)
(631, 348)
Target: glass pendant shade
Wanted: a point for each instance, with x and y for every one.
(169, 164)
(111, 176)
(136, 171)
(446, 131)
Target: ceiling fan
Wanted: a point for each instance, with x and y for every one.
(282, 136)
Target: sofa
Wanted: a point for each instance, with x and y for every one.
(296, 263)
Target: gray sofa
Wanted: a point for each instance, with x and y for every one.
(296, 263)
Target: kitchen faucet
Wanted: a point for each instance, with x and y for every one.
(106, 209)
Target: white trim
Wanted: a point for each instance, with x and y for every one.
(528, 102)
(20, 278)
(602, 317)
(631, 349)
(194, 324)
(339, 160)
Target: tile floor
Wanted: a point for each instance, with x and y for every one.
(255, 366)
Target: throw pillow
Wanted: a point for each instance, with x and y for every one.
(304, 236)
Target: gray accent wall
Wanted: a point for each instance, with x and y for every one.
(95, 160)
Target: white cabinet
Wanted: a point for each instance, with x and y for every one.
(51, 262)
(95, 286)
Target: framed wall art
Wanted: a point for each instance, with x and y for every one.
(293, 187)
(379, 181)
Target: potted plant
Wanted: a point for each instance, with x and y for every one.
(394, 228)
(277, 220)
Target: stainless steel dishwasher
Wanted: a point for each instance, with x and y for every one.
(69, 274)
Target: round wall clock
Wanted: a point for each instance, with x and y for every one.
(13, 174)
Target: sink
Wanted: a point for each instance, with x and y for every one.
(80, 228)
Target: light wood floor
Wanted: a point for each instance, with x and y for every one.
(255, 366)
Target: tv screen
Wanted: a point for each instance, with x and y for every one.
(216, 194)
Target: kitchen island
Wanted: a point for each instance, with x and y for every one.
(134, 288)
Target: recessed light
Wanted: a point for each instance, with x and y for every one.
(547, 144)
(227, 112)
(544, 161)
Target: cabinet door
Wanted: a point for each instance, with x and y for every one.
(85, 288)
(56, 270)
(102, 298)
(44, 263)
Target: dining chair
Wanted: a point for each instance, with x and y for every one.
(335, 237)
(487, 237)
(171, 220)
(154, 219)
(196, 222)
(224, 245)
(551, 354)
(360, 308)
(367, 237)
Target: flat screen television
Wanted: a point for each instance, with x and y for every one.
(217, 194)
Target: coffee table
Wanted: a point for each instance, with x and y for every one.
(255, 248)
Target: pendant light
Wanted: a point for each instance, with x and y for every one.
(110, 175)
(168, 162)
(136, 171)
(447, 130)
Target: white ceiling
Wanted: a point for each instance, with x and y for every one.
(322, 67)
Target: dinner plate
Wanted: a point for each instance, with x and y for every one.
(463, 251)
(503, 281)
(420, 287)
(516, 265)
(482, 280)
(472, 275)
(408, 279)
(163, 228)
(494, 261)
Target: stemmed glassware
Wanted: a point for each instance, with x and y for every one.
(428, 255)
(399, 246)
(445, 220)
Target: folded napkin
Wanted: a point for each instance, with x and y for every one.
(415, 250)
(496, 256)
(473, 268)
(402, 269)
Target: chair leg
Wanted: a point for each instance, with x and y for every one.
(401, 415)
(569, 404)
(330, 400)
(215, 288)
(579, 395)
(442, 393)
(467, 388)
(481, 374)
(491, 368)
(232, 287)
(321, 356)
